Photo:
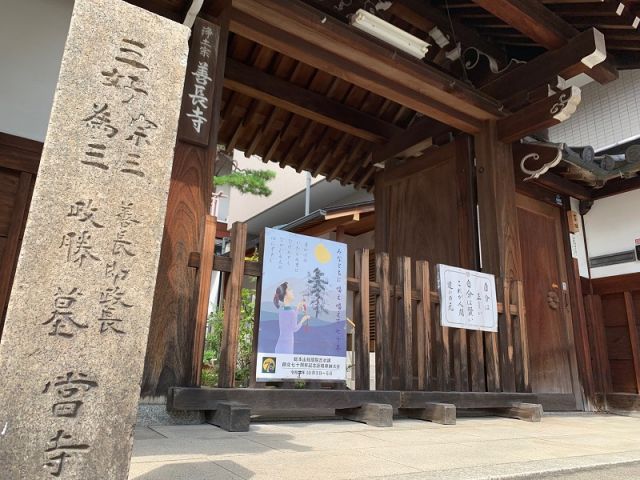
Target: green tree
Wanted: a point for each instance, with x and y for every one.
(317, 288)
(213, 340)
(245, 180)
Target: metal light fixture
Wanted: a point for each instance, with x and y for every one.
(389, 33)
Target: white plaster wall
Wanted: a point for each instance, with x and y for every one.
(611, 226)
(608, 114)
(32, 37)
(286, 183)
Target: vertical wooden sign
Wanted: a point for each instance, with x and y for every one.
(197, 98)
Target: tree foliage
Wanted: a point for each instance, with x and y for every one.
(247, 181)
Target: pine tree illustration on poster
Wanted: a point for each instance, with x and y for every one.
(317, 286)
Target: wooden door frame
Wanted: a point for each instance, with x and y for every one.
(554, 205)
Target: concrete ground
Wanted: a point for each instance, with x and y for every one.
(475, 448)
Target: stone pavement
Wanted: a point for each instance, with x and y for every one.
(475, 448)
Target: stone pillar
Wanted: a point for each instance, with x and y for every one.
(73, 347)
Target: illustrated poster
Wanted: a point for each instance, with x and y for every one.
(302, 323)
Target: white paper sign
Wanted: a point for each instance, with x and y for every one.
(468, 299)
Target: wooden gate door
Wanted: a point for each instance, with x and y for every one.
(551, 346)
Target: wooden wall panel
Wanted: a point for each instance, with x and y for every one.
(19, 159)
(423, 216)
(619, 344)
(8, 186)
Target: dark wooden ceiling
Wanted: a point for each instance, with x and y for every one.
(314, 140)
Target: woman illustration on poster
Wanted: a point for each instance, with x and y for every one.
(287, 317)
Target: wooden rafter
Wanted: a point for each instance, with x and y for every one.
(297, 30)
(306, 103)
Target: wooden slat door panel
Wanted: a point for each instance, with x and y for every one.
(545, 284)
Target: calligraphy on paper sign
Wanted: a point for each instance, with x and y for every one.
(197, 98)
(468, 299)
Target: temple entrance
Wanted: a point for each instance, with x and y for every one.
(547, 296)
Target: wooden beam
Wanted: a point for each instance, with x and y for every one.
(304, 33)
(581, 53)
(540, 115)
(260, 85)
(532, 19)
(21, 154)
(543, 26)
(430, 158)
(180, 398)
(415, 138)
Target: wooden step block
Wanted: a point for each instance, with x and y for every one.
(230, 416)
(443, 413)
(530, 412)
(374, 414)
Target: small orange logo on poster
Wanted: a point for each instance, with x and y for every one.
(268, 364)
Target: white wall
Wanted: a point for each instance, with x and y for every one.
(608, 114)
(286, 183)
(612, 225)
(32, 37)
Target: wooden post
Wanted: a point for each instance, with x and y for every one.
(170, 346)
(423, 326)
(633, 336)
(581, 334)
(505, 335)
(521, 345)
(361, 320)
(405, 321)
(231, 319)
(256, 318)
(207, 252)
(383, 325)
(498, 225)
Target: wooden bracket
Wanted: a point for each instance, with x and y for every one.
(540, 115)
